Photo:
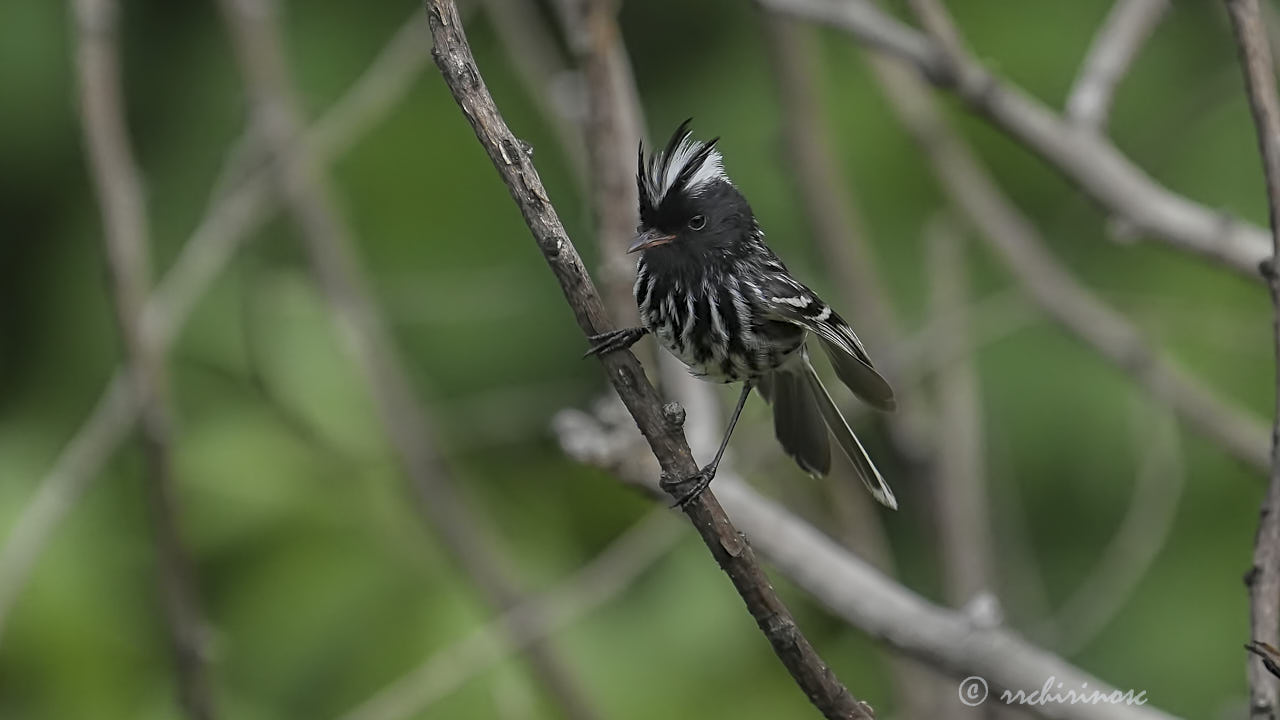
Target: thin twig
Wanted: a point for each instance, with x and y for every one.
(1087, 159)
(1053, 287)
(954, 642)
(121, 198)
(1142, 533)
(1114, 48)
(603, 578)
(1263, 578)
(328, 241)
(232, 219)
(1024, 589)
(661, 428)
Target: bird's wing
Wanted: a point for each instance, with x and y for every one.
(787, 300)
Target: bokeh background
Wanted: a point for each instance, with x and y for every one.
(319, 579)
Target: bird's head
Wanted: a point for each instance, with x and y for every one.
(688, 206)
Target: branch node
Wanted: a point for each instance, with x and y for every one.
(1267, 268)
(674, 414)
(1251, 576)
(1123, 230)
(780, 627)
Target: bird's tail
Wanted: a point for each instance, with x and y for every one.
(802, 413)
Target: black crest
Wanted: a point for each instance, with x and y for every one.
(683, 167)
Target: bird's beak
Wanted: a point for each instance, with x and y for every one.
(650, 238)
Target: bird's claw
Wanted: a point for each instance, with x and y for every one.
(1269, 654)
(613, 341)
(698, 481)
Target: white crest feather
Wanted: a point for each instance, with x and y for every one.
(664, 171)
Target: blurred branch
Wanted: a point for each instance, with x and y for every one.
(1024, 593)
(1263, 579)
(233, 217)
(604, 578)
(1271, 21)
(1046, 281)
(256, 376)
(829, 203)
(831, 208)
(613, 128)
(1114, 48)
(121, 198)
(1142, 533)
(956, 642)
(660, 426)
(959, 482)
(524, 33)
(992, 318)
(329, 243)
(1087, 159)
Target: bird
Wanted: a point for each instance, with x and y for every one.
(721, 301)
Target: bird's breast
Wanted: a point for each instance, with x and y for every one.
(713, 324)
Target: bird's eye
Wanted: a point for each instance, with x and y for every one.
(697, 222)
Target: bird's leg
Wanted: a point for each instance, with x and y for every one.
(703, 477)
(615, 340)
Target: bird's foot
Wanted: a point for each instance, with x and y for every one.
(1269, 654)
(615, 340)
(690, 487)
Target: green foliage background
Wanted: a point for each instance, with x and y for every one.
(320, 580)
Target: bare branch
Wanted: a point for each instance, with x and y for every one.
(121, 197)
(866, 23)
(605, 577)
(1114, 48)
(1087, 159)
(951, 641)
(1057, 292)
(527, 37)
(661, 428)
(954, 642)
(1263, 579)
(233, 218)
(329, 243)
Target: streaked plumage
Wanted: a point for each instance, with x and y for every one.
(722, 302)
